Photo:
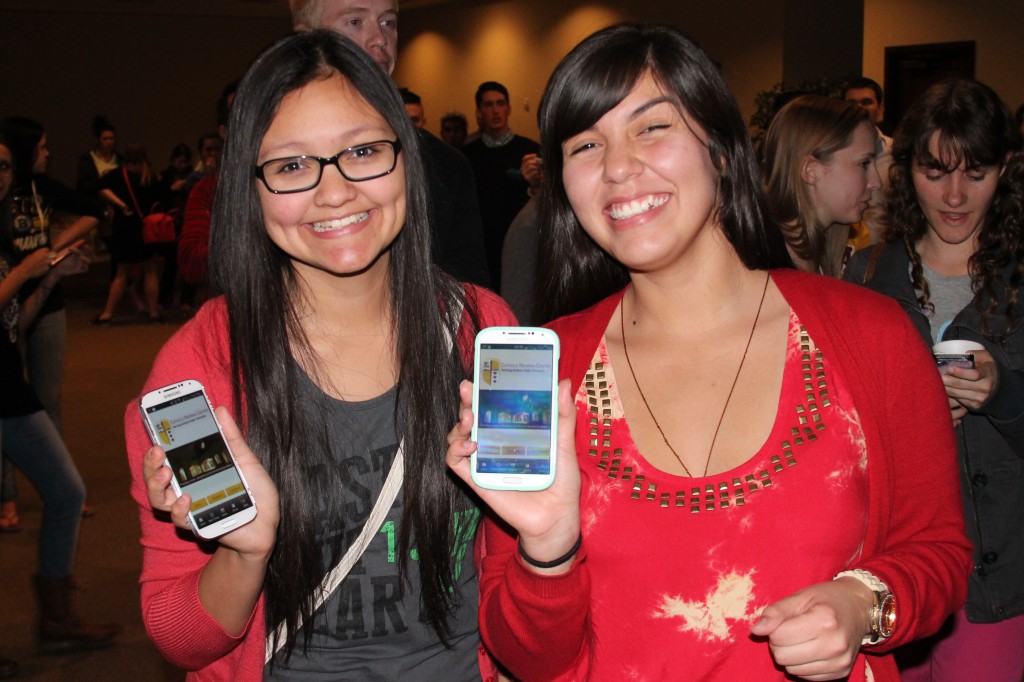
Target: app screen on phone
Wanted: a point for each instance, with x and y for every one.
(197, 454)
(514, 408)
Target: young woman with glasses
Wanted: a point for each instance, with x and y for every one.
(330, 344)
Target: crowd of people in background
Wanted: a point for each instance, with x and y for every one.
(334, 318)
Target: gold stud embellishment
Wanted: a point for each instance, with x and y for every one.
(807, 423)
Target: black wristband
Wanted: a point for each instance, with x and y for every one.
(554, 562)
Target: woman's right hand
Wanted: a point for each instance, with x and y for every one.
(548, 521)
(36, 264)
(255, 539)
(970, 389)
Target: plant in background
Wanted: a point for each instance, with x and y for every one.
(767, 102)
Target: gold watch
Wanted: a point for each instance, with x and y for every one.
(883, 608)
(883, 617)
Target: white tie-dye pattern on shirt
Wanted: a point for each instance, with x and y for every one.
(703, 616)
(728, 603)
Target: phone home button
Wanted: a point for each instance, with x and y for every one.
(511, 480)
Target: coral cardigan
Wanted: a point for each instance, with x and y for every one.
(172, 559)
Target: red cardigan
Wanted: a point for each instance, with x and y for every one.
(194, 242)
(172, 560)
(538, 626)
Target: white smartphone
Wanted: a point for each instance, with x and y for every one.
(515, 406)
(180, 419)
(947, 360)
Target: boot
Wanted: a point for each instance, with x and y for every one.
(59, 626)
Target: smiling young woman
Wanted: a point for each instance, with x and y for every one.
(738, 496)
(331, 345)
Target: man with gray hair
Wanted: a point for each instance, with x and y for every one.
(457, 233)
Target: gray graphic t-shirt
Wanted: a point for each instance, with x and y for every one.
(369, 629)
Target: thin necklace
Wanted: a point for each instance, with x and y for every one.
(625, 350)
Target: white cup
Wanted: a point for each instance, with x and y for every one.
(956, 346)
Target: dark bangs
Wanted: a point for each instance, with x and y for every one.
(585, 86)
(974, 128)
(955, 150)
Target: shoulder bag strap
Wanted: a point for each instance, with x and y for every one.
(387, 496)
(39, 205)
(869, 272)
(392, 484)
(128, 184)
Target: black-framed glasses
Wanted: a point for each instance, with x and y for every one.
(356, 164)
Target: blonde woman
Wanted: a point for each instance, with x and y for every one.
(819, 160)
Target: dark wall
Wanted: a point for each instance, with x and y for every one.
(157, 77)
(822, 39)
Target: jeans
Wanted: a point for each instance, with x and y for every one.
(44, 348)
(8, 486)
(35, 447)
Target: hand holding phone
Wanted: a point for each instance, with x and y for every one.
(180, 420)
(547, 521)
(973, 386)
(515, 396)
(35, 264)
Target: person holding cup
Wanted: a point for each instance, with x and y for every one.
(954, 259)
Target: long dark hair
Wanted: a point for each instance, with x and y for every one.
(592, 80)
(268, 345)
(23, 135)
(974, 128)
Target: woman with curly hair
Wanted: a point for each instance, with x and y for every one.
(954, 259)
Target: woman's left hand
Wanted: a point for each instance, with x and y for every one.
(972, 388)
(815, 634)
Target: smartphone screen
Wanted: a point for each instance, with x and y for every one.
(181, 421)
(947, 360)
(515, 408)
